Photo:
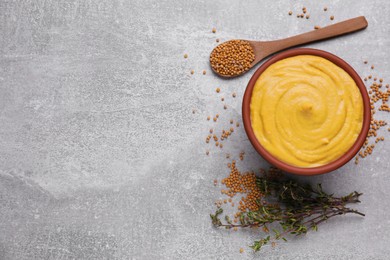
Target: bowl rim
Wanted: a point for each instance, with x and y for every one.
(319, 169)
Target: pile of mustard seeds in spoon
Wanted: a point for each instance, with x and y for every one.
(232, 58)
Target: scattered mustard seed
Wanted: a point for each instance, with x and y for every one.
(332, 18)
(372, 67)
(218, 90)
(217, 40)
(365, 62)
(208, 118)
(241, 250)
(185, 56)
(204, 72)
(290, 13)
(325, 8)
(214, 30)
(317, 27)
(234, 94)
(192, 72)
(307, 16)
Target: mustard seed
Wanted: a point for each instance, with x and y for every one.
(204, 72)
(185, 56)
(192, 72)
(218, 90)
(208, 118)
(217, 40)
(232, 58)
(307, 16)
(325, 8)
(317, 27)
(332, 18)
(234, 94)
(214, 30)
(372, 67)
(290, 13)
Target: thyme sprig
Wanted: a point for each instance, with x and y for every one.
(296, 207)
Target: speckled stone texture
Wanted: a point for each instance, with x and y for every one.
(101, 156)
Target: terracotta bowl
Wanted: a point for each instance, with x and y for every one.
(294, 169)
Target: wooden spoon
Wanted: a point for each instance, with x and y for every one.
(262, 49)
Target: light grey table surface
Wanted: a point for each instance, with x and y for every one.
(101, 156)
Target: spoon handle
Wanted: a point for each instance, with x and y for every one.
(348, 26)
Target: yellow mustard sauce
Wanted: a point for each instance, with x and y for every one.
(306, 111)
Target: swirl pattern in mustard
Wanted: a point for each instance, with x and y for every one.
(306, 111)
